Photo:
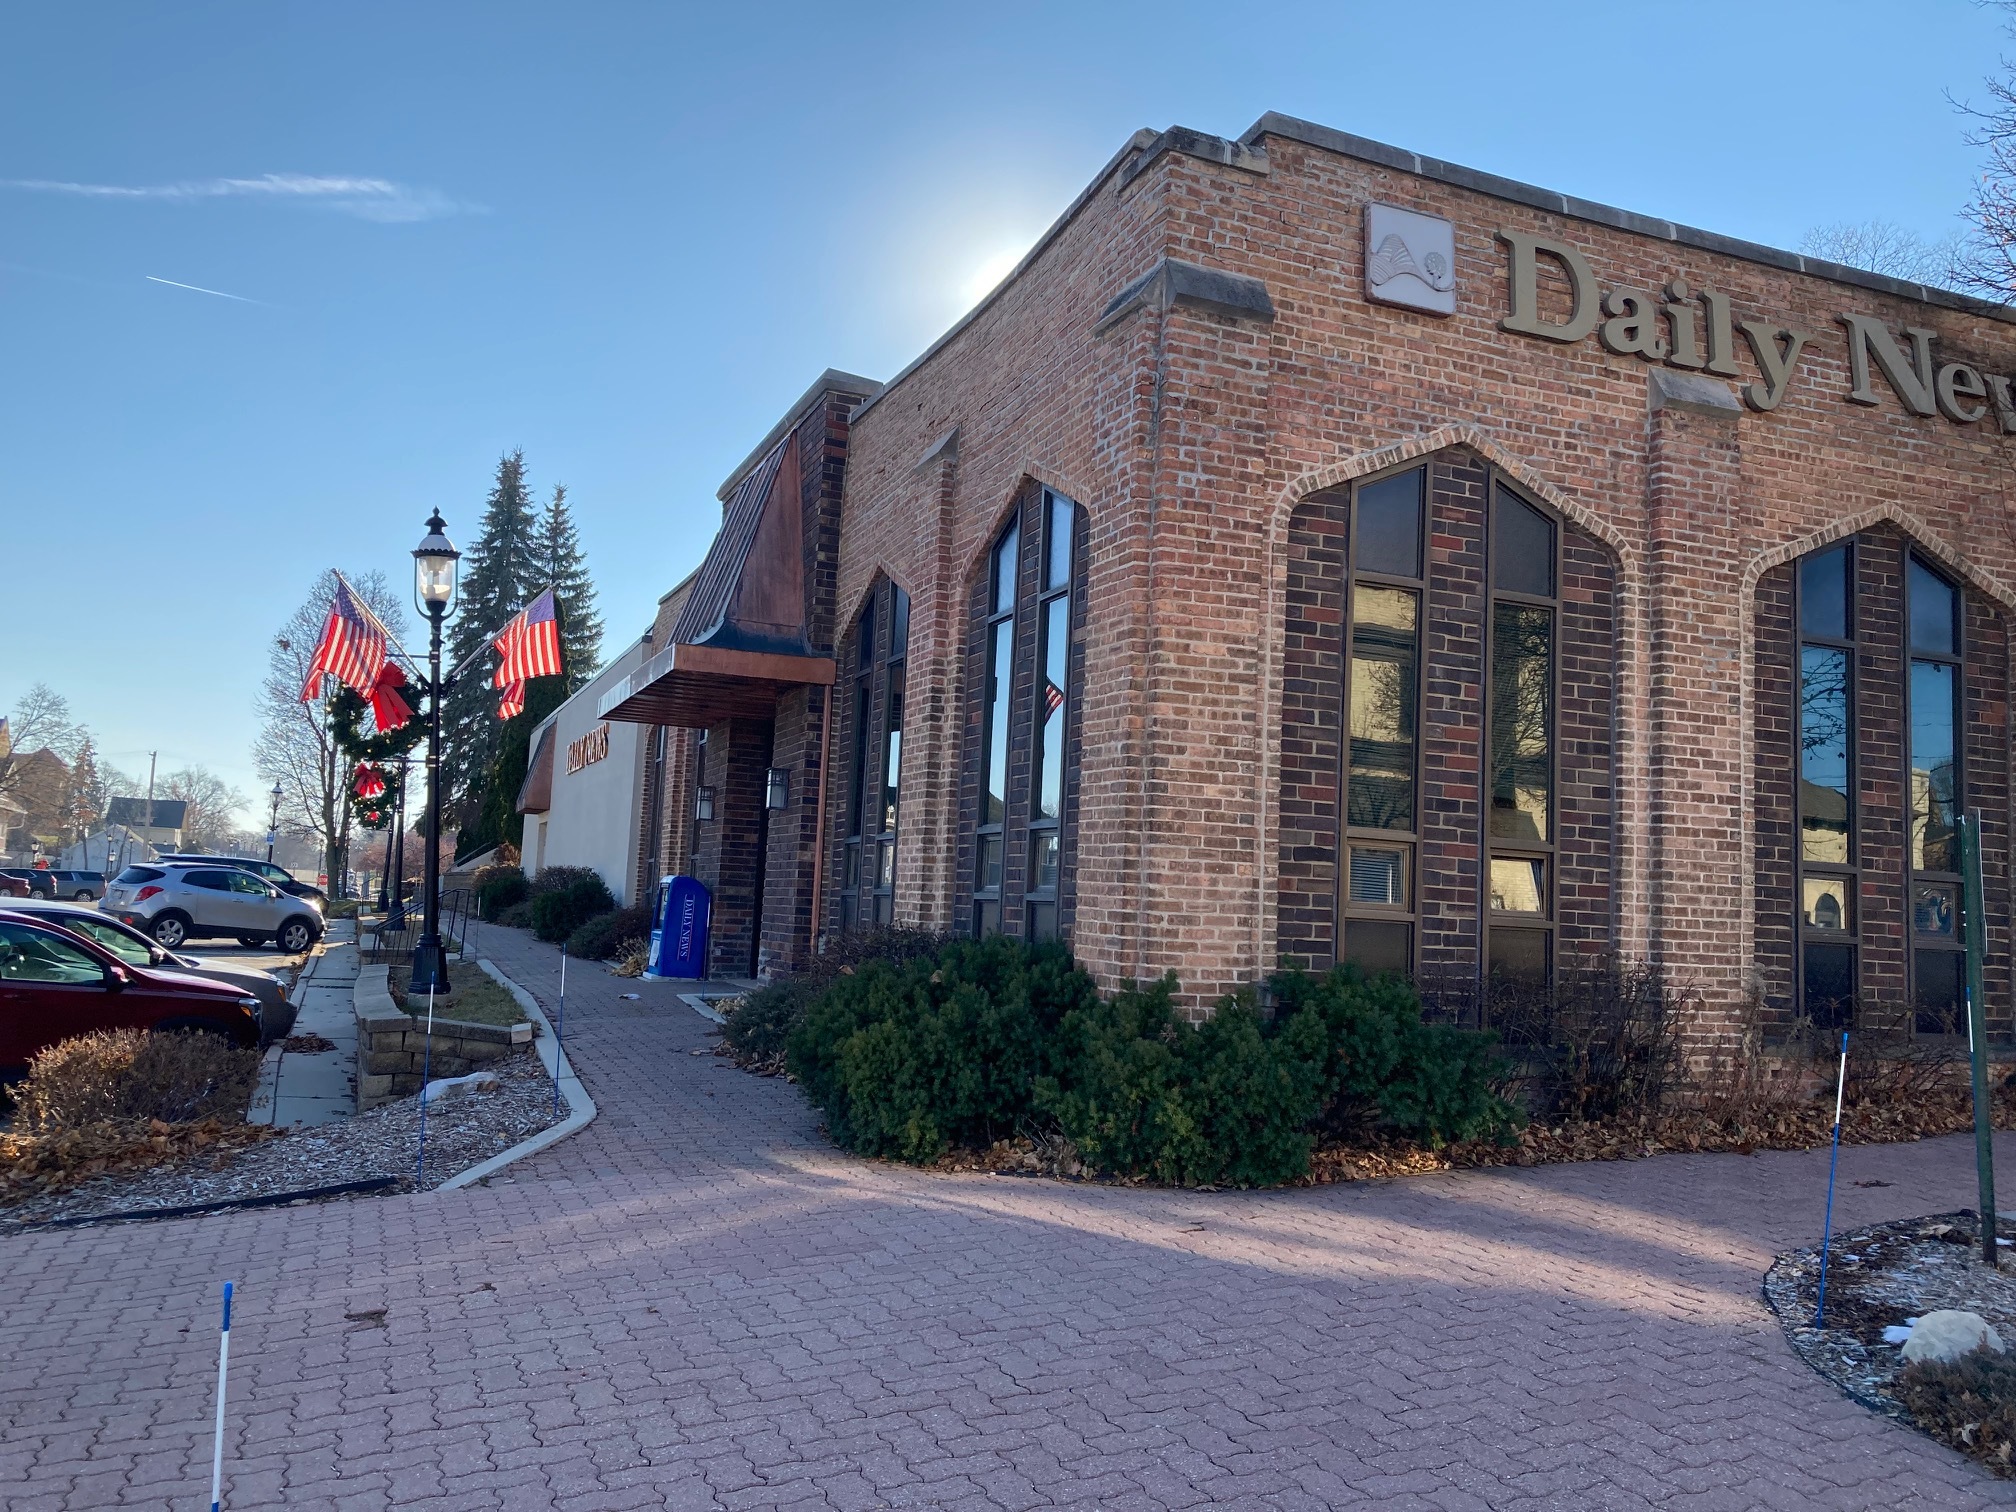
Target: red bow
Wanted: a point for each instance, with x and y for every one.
(387, 707)
(367, 781)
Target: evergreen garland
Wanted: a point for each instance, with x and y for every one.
(350, 719)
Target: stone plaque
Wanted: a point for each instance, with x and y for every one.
(1410, 259)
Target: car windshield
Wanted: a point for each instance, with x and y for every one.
(133, 952)
(32, 955)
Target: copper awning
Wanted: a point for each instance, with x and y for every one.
(535, 793)
(695, 686)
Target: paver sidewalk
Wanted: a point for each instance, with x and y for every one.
(696, 1303)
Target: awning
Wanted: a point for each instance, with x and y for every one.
(535, 793)
(740, 640)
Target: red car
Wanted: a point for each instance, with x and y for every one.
(55, 985)
(13, 887)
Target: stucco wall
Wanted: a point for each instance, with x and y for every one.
(594, 818)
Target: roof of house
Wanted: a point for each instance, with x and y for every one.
(169, 813)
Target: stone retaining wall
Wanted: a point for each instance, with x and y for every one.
(392, 1045)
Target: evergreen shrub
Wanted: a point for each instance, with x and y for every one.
(497, 888)
(517, 916)
(557, 912)
(597, 939)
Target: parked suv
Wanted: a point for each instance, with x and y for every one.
(55, 986)
(175, 903)
(279, 876)
(276, 1014)
(79, 886)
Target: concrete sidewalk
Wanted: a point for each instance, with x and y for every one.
(298, 1089)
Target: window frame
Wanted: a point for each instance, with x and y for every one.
(1408, 841)
(1956, 943)
(997, 700)
(1805, 934)
(1041, 599)
(1548, 852)
(869, 821)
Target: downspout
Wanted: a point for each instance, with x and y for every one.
(819, 821)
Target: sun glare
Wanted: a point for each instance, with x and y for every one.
(981, 282)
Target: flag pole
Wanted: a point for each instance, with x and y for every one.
(390, 639)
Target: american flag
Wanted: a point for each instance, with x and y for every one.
(528, 647)
(352, 648)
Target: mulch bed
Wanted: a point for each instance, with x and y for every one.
(1880, 1277)
(34, 1165)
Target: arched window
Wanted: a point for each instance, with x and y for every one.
(881, 643)
(1936, 782)
(1524, 551)
(1829, 857)
(1024, 758)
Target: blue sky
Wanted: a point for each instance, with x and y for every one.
(623, 237)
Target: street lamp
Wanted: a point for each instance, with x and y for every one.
(434, 562)
(273, 822)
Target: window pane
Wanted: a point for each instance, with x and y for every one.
(864, 637)
(1043, 861)
(1057, 540)
(1829, 985)
(892, 760)
(1934, 909)
(1932, 606)
(1519, 955)
(1377, 946)
(852, 872)
(1522, 549)
(1049, 786)
(1389, 524)
(27, 955)
(1004, 570)
(987, 871)
(1385, 654)
(1522, 721)
(1823, 754)
(1941, 990)
(885, 871)
(987, 918)
(1933, 800)
(899, 625)
(858, 777)
(1829, 903)
(1378, 875)
(1518, 885)
(1823, 594)
(1042, 921)
(883, 908)
(994, 751)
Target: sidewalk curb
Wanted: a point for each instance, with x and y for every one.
(581, 1108)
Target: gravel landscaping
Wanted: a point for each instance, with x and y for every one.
(461, 1132)
(1879, 1279)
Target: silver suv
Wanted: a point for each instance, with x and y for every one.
(176, 903)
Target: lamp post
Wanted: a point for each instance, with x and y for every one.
(273, 822)
(434, 562)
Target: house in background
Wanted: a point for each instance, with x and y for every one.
(158, 821)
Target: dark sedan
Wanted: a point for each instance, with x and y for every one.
(55, 985)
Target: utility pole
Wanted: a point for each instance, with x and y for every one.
(150, 791)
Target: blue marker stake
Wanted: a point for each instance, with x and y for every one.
(560, 1031)
(1827, 1237)
(223, 1365)
(426, 1070)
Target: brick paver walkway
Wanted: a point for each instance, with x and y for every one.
(696, 1304)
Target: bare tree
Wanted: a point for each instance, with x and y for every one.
(295, 747)
(1986, 263)
(40, 719)
(1880, 246)
(211, 806)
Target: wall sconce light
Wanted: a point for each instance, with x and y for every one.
(776, 788)
(703, 803)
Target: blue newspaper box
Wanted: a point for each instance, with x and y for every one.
(679, 932)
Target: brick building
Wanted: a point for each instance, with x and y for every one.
(1312, 551)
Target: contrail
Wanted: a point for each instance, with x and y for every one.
(198, 288)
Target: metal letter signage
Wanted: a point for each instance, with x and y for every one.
(1695, 329)
(589, 749)
(1410, 259)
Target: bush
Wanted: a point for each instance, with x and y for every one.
(517, 916)
(558, 912)
(1603, 1041)
(1139, 1090)
(597, 939)
(910, 1058)
(1387, 1070)
(560, 878)
(118, 1074)
(497, 888)
(758, 1028)
(1969, 1404)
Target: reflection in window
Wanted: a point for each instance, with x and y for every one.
(1828, 974)
(1385, 656)
(1934, 796)
(1389, 525)
(1823, 754)
(998, 683)
(1050, 739)
(1827, 903)
(1518, 885)
(1522, 722)
(1935, 909)
(868, 857)
(1053, 681)
(1934, 607)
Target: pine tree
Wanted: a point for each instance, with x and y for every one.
(566, 569)
(501, 570)
(84, 804)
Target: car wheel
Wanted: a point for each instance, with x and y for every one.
(296, 935)
(253, 942)
(170, 930)
(82, 895)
